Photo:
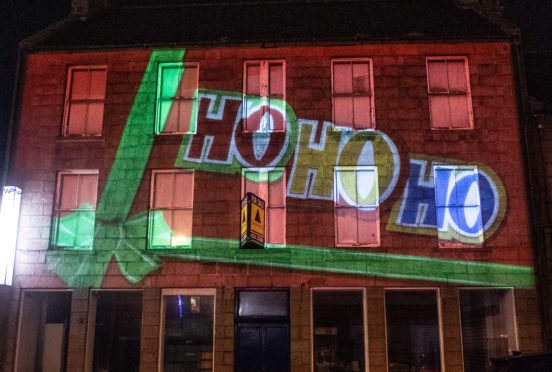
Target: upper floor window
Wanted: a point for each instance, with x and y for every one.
(177, 93)
(171, 209)
(84, 101)
(353, 93)
(75, 209)
(458, 204)
(356, 206)
(270, 186)
(264, 90)
(449, 93)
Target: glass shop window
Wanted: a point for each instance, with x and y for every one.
(488, 326)
(412, 320)
(264, 94)
(449, 92)
(177, 93)
(353, 94)
(188, 328)
(115, 322)
(84, 101)
(43, 332)
(338, 330)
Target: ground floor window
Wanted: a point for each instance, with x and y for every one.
(188, 328)
(114, 324)
(338, 330)
(43, 332)
(413, 339)
(488, 326)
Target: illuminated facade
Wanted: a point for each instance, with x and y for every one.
(396, 227)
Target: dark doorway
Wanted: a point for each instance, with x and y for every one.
(262, 331)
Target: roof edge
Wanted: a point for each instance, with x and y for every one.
(29, 42)
(491, 10)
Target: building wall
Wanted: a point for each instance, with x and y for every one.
(412, 257)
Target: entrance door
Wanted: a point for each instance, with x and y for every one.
(262, 331)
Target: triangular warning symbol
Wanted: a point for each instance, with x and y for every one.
(257, 217)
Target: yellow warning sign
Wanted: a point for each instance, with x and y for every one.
(244, 219)
(257, 220)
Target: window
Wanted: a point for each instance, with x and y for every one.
(458, 205)
(356, 206)
(264, 96)
(177, 93)
(75, 209)
(270, 186)
(171, 209)
(488, 326)
(43, 331)
(412, 322)
(84, 101)
(449, 93)
(187, 330)
(353, 94)
(338, 330)
(115, 322)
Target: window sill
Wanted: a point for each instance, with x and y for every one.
(463, 248)
(97, 139)
(170, 139)
(338, 128)
(453, 135)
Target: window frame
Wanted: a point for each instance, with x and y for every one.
(267, 202)
(514, 311)
(184, 292)
(336, 206)
(264, 80)
(371, 94)
(151, 208)
(159, 98)
(455, 244)
(91, 322)
(440, 323)
(467, 93)
(364, 319)
(87, 101)
(57, 211)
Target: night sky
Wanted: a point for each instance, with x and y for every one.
(21, 18)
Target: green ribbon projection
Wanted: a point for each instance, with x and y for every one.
(121, 237)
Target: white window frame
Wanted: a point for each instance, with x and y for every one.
(364, 319)
(467, 93)
(151, 208)
(193, 98)
(453, 243)
(264, 89)
(57, 201)
(437, 291)
(185, 292)
(336, 197)
(371, 94)
(68, 100)
(267, 202)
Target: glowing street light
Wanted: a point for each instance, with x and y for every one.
(9, 222)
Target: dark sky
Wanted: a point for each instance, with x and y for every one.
(19, 19)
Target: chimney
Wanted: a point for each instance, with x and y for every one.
(85, 8)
